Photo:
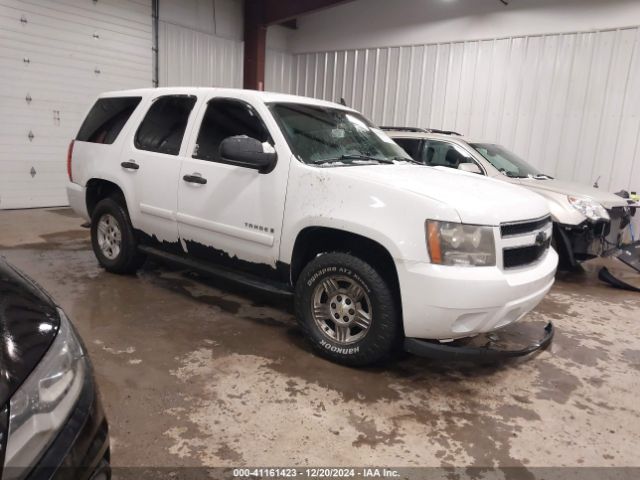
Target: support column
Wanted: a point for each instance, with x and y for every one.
(255, 40)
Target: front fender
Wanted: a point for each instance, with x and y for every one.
(561, 210)
(394, 218)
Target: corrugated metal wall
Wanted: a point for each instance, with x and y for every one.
(569, 103)
(280, 73)
(191, 58)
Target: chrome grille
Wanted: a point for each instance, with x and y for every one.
(522, 228)
(526, 242)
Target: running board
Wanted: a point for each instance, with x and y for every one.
(246, 279)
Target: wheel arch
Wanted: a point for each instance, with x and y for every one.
(99, 189)
(316, 240)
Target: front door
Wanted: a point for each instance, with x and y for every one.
(229, 214)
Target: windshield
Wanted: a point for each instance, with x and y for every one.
(507, 162)
(323, 135)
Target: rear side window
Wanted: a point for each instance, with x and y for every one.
(164, 124)
(106, 119)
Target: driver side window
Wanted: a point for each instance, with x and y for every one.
(226, 118)
(445, 154)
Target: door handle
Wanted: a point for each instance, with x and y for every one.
(195, 178)
(130, 165)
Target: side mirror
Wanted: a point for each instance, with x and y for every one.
(247, 152)
(470, 167)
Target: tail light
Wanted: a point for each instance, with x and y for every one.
(69, 158)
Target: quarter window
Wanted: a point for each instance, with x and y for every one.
(164, 124)
(226, 118)
(106, 119)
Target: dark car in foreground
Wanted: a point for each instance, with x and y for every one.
(52, 424)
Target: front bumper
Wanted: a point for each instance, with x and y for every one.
(81, 449)
(444, 302)
(487, 352)
(593, 239)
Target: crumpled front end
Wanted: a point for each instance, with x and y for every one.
(594, 239)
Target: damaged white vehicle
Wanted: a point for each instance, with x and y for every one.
(588, 222)
(307, 198)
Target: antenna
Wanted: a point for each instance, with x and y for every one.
(342, 102)
(595, 184)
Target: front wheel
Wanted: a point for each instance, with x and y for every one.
(347, 310)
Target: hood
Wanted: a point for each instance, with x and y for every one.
(29, 323)
(477, 200)
(606, 199)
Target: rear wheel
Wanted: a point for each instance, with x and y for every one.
(113, 239)
(347, 310)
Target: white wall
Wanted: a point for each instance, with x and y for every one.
(280, 71)
(382, 23)
(200, 43)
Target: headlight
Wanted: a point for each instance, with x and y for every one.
(589, 208)
(458, 244)
(42, 404)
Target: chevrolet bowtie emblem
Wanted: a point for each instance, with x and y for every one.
(541, 238)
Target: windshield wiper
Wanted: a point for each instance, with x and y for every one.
(511, 174)
(354, 157)
(542, 176)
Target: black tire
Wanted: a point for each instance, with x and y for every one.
(384, 332)
(129, 259)
(566, 261)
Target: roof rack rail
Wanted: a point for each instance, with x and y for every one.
(422, 130)
(405, 129)
(443, 132)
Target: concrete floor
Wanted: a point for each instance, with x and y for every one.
(193, 373)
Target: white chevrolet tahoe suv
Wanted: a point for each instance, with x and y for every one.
(307, 197)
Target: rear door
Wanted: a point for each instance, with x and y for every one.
(150, 165)
(235, 218)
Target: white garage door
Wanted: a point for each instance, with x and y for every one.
(55, 57)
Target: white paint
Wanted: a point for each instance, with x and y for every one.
(58, 40)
